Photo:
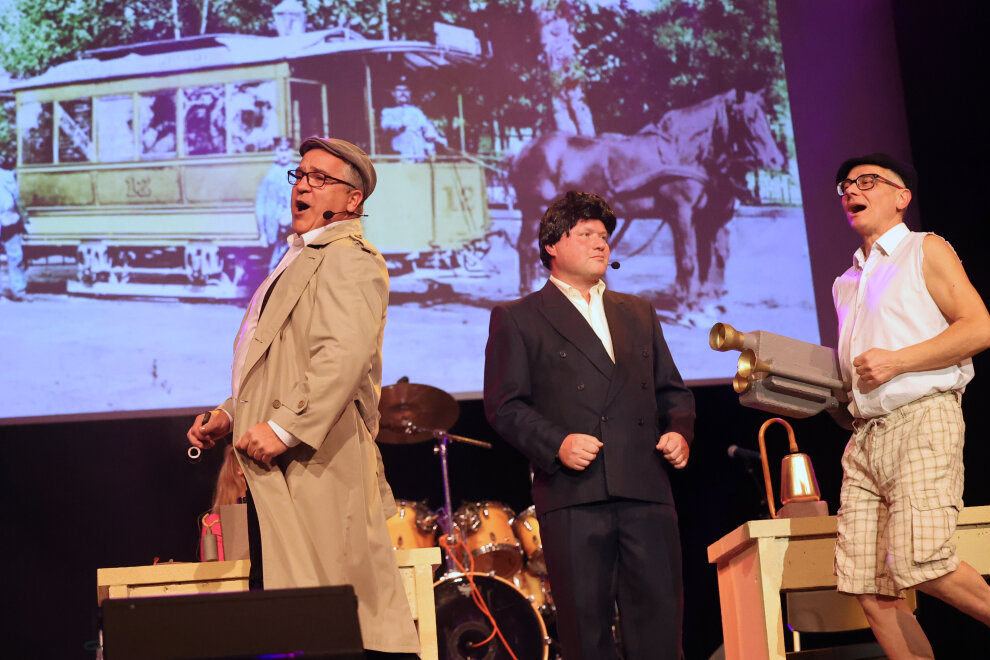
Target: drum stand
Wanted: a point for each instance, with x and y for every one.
(413, 413)
(443, 438)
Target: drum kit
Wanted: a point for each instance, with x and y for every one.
(494, 582)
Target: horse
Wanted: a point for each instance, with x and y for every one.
(688, 169)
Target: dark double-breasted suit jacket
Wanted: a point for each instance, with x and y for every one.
(547, 374)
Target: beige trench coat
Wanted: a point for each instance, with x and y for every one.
(314, 367)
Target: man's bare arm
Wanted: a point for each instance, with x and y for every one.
(969, 323)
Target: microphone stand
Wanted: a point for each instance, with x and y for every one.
(764, 507)
(448, 512)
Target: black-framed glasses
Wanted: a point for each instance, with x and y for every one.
(316, 179)
(864, 182)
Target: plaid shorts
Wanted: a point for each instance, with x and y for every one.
(901, 494)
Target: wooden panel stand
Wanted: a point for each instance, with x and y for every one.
(760, 559)
(172, 579)
(415, 566)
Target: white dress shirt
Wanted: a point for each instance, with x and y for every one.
(246, 333)
(593, 311)
(882, 302)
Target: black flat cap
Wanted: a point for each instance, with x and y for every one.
(886, 161)
(346, 151)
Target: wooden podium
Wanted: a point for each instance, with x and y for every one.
(415, 567)
(760, 559)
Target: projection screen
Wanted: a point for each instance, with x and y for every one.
(150, 173)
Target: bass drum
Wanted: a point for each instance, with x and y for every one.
(461, 625)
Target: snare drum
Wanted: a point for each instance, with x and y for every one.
(487, 528)
(461, 625)
(527, 529)
(412, 526)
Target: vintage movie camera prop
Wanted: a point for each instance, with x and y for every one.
(784, 376)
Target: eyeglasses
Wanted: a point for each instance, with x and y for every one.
(864, 182)
(316, 179)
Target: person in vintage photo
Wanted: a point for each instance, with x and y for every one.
(12, 216)
(413, 135)
(271, 204)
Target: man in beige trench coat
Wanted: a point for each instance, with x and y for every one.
(306, 381)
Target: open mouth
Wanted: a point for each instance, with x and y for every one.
(856, 208)
(301, 206)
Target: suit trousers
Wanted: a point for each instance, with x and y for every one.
(623, 553)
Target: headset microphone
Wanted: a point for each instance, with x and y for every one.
(615, 265)
(328, 215)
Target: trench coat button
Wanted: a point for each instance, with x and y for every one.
(580, 386)
(563, 354)
(300, 404)
(646, 353)
(276, 404)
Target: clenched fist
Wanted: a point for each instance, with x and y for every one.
(675, 449)
(578, 450)
(260, 443)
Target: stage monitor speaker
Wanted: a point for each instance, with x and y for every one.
(319, 622)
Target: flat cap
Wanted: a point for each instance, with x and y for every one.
(351, 153)
(886, 161)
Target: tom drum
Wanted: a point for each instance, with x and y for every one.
(527, 529)
(488, 535)
(412, 527)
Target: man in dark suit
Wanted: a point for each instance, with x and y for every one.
(581, 381)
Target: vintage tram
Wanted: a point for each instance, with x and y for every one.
(139, 165)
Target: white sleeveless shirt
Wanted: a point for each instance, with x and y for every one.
(883, 302)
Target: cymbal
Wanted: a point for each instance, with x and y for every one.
(405, 404)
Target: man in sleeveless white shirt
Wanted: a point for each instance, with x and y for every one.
(909, 322)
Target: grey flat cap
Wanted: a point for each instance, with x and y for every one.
(351, 153)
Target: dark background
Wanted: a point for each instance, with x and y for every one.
(863, 75)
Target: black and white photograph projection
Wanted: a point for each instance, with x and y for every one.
(145, 149)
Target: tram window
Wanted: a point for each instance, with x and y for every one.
(253, 125)
(34, 122)
(156, 111)
(205, 130)
(75, 131)
(307, 104)
(113, 113)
